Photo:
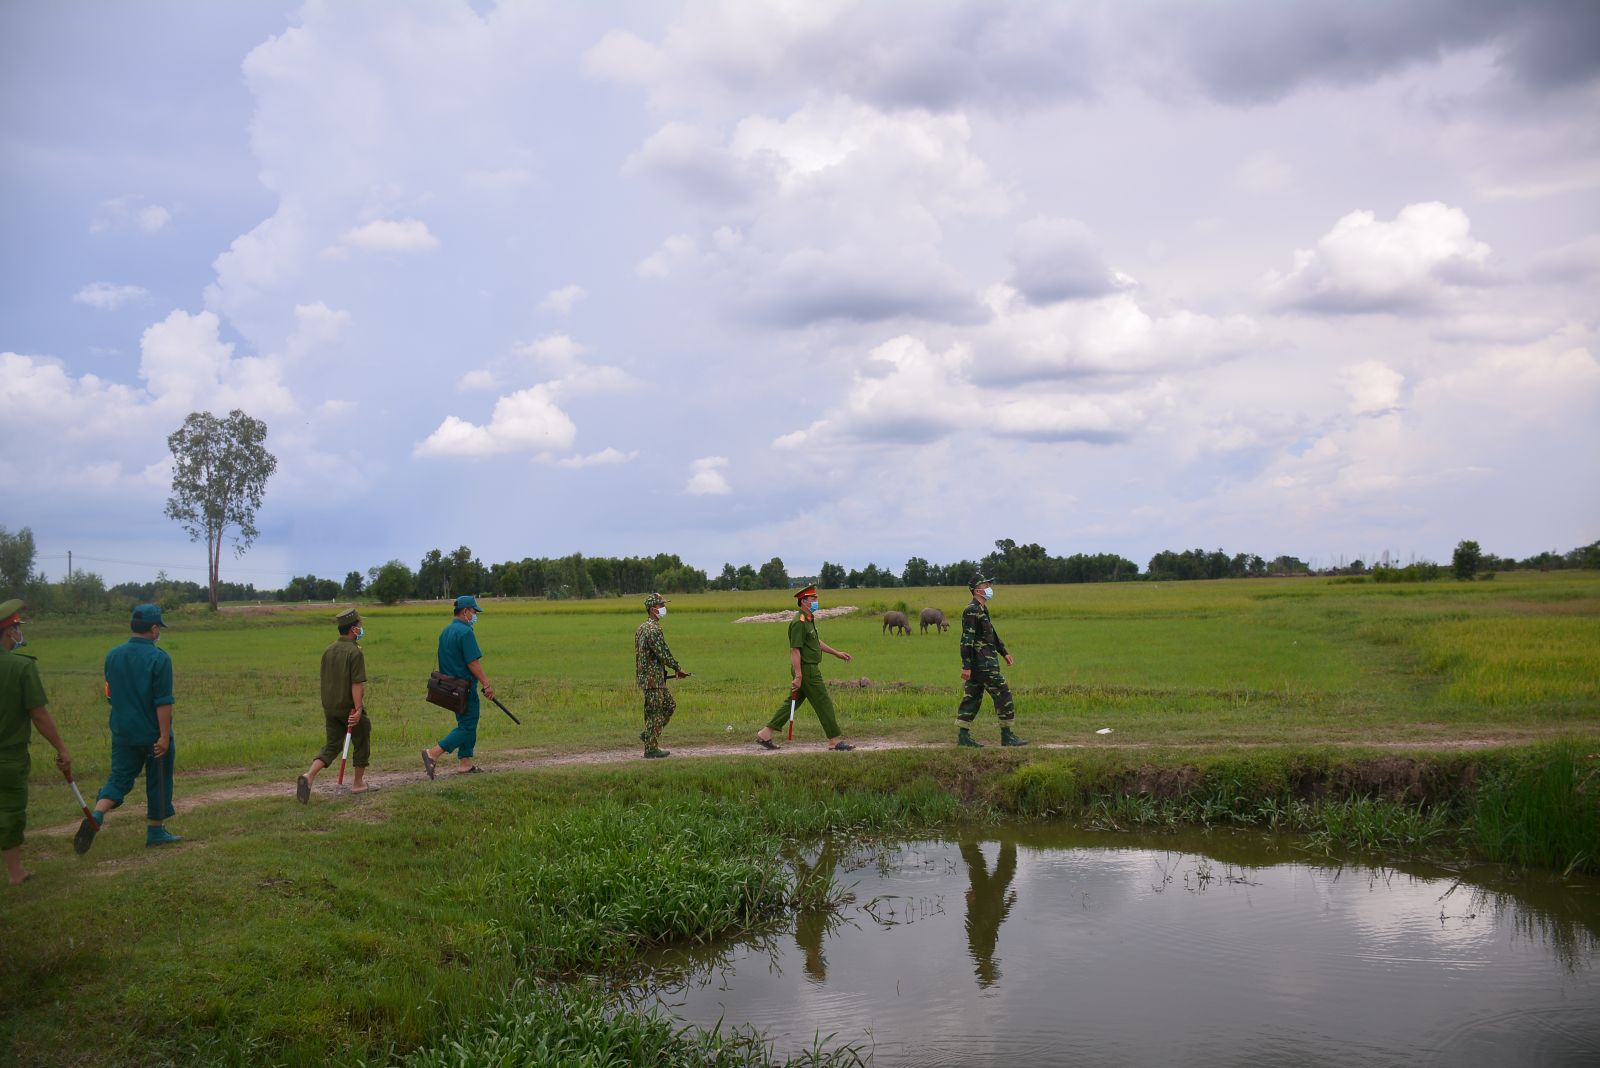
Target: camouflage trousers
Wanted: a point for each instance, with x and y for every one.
(988, 678)
(658, 709)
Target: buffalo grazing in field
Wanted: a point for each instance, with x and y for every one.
(896, 621)
(935, 617)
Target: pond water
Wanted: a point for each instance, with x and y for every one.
(1054, 946)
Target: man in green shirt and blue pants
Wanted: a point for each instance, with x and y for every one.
(139, 686)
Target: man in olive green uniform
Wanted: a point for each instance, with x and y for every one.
(651, 662)
(805, 658)
(139, 683)
(344, 683)
(981, 649)
(22, 707)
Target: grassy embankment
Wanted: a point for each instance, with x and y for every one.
(429, 922)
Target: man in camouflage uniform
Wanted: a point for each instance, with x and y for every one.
(22, 708)
(981, 649)
(651, 662)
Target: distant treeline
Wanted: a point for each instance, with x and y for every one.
(442, 575)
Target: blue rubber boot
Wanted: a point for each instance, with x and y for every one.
(159, 836)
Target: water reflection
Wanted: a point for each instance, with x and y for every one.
(813, 925)
(989, 901)
(1205, 950)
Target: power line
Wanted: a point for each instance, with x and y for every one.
(148, 563)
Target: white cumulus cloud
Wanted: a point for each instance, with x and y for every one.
(605, 457)
(526, 420)
(107, 296)
(561, 301)
(706, 477)
(391, 235)
(1373, 386)
(1367, 265)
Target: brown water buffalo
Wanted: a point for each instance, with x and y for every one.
(897, 621)
(935, 617)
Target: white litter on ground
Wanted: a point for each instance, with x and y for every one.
(1103, 730)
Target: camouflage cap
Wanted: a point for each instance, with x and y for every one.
(978, 580)
(10, 612)
(654, 600)
(348, 618)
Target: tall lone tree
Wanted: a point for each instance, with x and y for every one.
(220, 469)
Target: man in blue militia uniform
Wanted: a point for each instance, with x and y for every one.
(805, 659)
(981, 649)
(139, 685)
(651, 662)
(460, 657)
(22, 708)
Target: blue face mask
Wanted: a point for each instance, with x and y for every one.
(811, 606)
(359, 632)
(988, 592)
(473, 622)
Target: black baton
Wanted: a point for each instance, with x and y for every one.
(506, 710)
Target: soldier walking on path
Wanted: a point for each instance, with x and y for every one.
(651, 662)
(344, 711)
(139, 685)
(805, 658)
(981, 649)
(460, 657)
(22, 707)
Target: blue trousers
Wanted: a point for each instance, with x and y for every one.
(127, 761)
(464, 739)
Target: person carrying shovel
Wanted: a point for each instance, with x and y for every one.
(139, 683)
(805, 657)
(22, 707)
(344, 713)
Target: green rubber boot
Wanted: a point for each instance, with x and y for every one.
(1007, 738)
(655, 754)
(965, 740)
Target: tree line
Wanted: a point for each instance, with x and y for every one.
(442, 575)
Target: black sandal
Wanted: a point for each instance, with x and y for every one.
(842, 747)
(768, 743)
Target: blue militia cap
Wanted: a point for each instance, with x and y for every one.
(466, 600)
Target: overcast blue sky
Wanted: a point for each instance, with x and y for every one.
(815, 280)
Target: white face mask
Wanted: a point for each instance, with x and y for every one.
(661, 613)
(988, 592)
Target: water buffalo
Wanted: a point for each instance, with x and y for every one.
(897, 621)
(935, 616)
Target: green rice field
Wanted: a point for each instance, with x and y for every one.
(486, 920)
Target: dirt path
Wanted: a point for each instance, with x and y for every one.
(528, 759)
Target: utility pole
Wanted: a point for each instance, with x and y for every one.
(69, 567)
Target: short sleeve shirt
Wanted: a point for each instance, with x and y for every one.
(343, 665)
(139, 676)
(803, 636)
(20, 691)
(458, 647)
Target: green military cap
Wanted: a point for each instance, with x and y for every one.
(348, 618)
(10, 612)
(145, 615)
(654, 600)
(977, 580)
(809, 591)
